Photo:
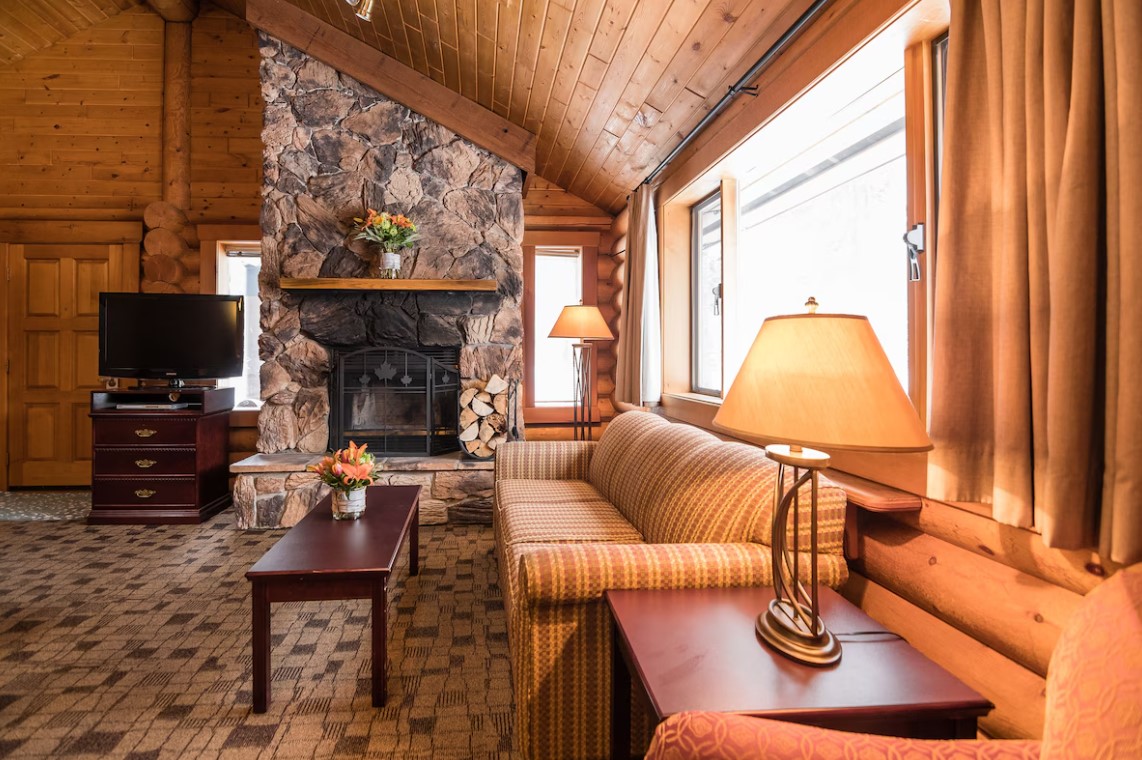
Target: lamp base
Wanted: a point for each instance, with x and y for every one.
(821, 649)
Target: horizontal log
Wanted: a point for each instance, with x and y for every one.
(1018, 615)
(154, 286)
(162, 268)
(164, 215)
(1018, 694)
(605, 266)
(1079, 571)
(161, 242)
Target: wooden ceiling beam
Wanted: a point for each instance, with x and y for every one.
(395, 80)
(175, 10)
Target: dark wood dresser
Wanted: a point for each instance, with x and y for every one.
(160, 455)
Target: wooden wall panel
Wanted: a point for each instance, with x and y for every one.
(225, 120)
(82, 121)
(28, 26)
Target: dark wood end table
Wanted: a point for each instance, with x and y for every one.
(322, 559)
(696, 649)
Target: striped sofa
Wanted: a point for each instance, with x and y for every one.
(650, 505)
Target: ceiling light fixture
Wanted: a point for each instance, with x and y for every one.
(364, 8)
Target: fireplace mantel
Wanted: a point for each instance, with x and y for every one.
(360, 283)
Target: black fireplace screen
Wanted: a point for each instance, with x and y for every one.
(402, 402)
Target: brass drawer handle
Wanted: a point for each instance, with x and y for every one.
(144, 493)
(144, 463)
(145, 432)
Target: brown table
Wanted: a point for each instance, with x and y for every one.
(696, 649)
(323, 559)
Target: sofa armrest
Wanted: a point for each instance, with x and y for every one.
(570, 573)
(544, 460)
(719, 736)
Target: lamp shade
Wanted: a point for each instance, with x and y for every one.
(583, 322)
(823, 381)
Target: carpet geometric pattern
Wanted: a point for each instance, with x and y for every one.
(134, 642)
(44, 505)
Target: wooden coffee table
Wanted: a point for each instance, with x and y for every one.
(323, 559)
(696, 649)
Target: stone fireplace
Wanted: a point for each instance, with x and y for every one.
(334, 147)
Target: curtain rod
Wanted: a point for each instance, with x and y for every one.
(742, 85)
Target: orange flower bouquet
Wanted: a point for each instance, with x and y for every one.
(393, 232)
(348, 472)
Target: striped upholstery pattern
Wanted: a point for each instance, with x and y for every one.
(544, 460)
(656, 505)
(613, 451)
(573, 512)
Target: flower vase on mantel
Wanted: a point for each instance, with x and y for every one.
(392, 232)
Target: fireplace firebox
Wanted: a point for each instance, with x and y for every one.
(400, 401)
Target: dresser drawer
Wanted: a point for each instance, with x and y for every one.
(142, 492)
(144, 461)
(149, 431)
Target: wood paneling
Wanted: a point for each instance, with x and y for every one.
(225, 120)
(608, 88)
(548, 206)
(31, 25)
(82, 122)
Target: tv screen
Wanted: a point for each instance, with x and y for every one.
(175, 336)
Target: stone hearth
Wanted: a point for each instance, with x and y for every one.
(332, 148)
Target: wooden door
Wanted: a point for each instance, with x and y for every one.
(53, 349)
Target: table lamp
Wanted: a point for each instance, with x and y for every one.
(821, 381)
(584, 323)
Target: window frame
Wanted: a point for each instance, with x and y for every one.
(913, 25)
(695, 279)
(588, 243)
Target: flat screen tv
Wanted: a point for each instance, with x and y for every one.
(170, 336)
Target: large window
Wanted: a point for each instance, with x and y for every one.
(823, 206)
(706, 276)
(558, 283)
(238, 267)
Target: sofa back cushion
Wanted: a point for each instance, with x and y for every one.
(611, 463)
(716, 494)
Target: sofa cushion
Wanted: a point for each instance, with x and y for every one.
(735, 477)
(665, 451)
(558, 512)
(612, 463)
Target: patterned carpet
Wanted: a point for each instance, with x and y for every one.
(44, 505)
(134, 642)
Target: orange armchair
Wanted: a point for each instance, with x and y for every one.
(1094, 705)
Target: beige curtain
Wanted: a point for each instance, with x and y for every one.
(1034, 408)
(641, 246)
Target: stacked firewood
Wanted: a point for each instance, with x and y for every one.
(484, 408)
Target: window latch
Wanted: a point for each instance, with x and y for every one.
(914, 240)
(717, 289)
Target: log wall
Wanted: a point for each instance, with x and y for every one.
(986, 601)
(82, 124)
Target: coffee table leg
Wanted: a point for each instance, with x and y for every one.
(620, 701)
(380, 651)
(414, 542)
(260, 640)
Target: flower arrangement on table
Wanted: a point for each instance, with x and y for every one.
(348, 471)
(392, 232)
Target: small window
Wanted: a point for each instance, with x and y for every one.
(558, 283)
(706, 300)
(238, 269)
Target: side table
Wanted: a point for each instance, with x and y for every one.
(696, 649)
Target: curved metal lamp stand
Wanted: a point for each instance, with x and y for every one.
(792, 625)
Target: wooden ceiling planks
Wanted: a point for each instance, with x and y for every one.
(32, 25)
(608, 87)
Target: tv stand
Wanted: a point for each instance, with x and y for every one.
(160, 455)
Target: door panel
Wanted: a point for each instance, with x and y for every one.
(53, 338)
